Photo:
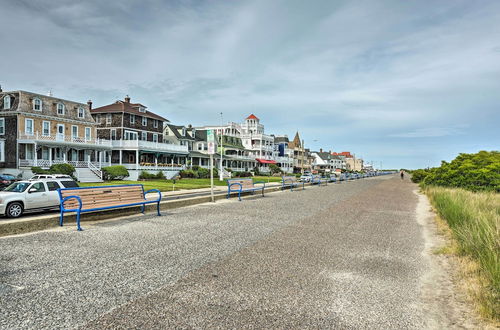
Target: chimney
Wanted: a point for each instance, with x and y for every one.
(89, 103)
(320, 149)
(330, 152)
(1, 88)
(127, 99)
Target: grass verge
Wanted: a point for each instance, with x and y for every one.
(168, 185)
(474, 223)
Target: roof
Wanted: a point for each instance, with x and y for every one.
(127, 107)
(346, 154)
(296, 142)
(265, 161)
(175, 130)
(252, 116)
(280, 139)
(324, 155)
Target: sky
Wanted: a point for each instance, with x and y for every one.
(402, 84)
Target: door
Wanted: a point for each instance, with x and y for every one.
(60, 132)
(53, 195)
(36, 196)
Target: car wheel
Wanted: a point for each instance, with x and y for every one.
(14, 210)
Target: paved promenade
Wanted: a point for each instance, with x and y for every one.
(342, 256)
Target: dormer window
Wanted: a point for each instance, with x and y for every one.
(142, 109)
(184, 131)
(37, 104)
(6, 102)
(81, 112)
(60, 109)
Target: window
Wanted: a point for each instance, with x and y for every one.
(184, 131)
(39, 187)
(53, 185)
(144, 121)
(142, 109)
(81, 112)
(132, 119)
(2, 126)
(46, 128)
(129, 135)
(28, 126)
(200, 146)
(193, 132)
(113, 134)
(69, 184)
(2, 151)
(37, 104)
(144, 136)
(74, 131)
(6, 102)
(155, 123)
(60, 109)
(155, 138)
(88, 133)
(108, 118)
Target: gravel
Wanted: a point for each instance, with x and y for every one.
(342, 256)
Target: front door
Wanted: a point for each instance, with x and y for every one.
(36, 196)
(60, 132)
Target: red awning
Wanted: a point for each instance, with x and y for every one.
(265, 161)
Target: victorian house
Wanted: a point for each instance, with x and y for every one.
(137, 138)
(40, 130)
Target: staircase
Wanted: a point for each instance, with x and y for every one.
(84, 174)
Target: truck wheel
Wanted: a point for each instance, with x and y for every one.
(14, 210)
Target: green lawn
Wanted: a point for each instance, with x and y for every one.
(167, 185)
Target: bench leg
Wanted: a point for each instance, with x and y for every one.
(262, 192)
(78, 221)
(158, 208)
(239, 195)
(143, 207)
(61, 219)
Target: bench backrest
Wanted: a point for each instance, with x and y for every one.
(245, 183)
(102, 197)
(289, 179)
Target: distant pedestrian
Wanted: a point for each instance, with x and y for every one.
(402, 175)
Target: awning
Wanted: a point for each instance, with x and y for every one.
(265, 161)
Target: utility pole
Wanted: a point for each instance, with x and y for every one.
(221, 174)
(303, 156)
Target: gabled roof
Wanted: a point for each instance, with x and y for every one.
(252, 116)
(127, 107)
(175, 129)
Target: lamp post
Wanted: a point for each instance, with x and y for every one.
(221, 174)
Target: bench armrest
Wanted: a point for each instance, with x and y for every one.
(153, 190)
(68, 198)
(235, 184)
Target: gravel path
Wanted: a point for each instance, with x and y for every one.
(343, 256)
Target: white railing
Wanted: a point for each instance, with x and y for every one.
(61, 138)
(140, 144)
(44, 163)
(95, 170)
(159, 167)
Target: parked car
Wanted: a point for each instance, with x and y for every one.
(306, 178)
(51, 176)
(6, 180)
(32, 195)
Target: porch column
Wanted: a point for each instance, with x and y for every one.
(35, 156)
(120, 152)
(156, 161)
(100, 159)
(50, 156)
(137, 159)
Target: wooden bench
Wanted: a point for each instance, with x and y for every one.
(290, 181)
(316, 179)
(88, 199)
(243, 185)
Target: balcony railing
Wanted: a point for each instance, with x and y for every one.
(61, 138)
(148, 145)
(44, 163)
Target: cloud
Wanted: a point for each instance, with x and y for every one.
(351, 75)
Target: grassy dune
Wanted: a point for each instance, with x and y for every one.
(474, 221)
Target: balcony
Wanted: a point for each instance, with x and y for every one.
(61, 139)
(150, 146)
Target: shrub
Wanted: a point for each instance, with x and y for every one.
(274, 169)
(418, 176)
(39, 170)
(475, 172)
(160, 175)
(195, 168)
(188, 174)
(203, 173)
(115, 172)
(67, 169)
(242, 174)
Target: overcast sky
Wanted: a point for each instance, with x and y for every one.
(405, 83)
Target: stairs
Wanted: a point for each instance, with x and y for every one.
(87, 175)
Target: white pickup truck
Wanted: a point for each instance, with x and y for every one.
(32, 195)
